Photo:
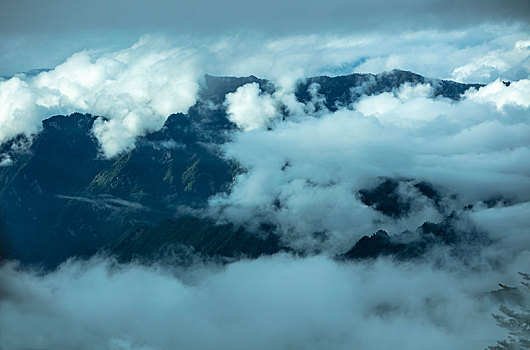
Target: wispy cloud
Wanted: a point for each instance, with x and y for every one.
(106, 201)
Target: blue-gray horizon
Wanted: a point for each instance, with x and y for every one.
(36, 34)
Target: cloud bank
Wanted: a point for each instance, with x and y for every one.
(278, 302)
(134, 90)
(304, 175)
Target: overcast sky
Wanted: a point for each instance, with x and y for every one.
(276, 16)
(37, 34)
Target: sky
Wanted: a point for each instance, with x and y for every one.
(38, 34)
(136, 63)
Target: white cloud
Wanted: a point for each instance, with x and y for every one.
(276, 302)
(410, 106)
(250, 109)
(5, 160)
(443, 54)
(517, 94)
(511, 62)
(136, 89)
(304, 174)
(18, 111)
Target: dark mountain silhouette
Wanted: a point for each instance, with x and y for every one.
(60, 198)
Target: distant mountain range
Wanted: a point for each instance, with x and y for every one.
(59, 198)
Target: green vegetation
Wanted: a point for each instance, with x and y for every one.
(189, 176)
(517, 323)
(202, 235)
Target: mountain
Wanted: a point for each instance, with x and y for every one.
(343, 90)
(447, 234)
(177, 238)
(60, 198)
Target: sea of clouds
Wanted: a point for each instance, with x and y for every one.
(304, 167)
(279, 302)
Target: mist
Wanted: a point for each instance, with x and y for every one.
(277, 302)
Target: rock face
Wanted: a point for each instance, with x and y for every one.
(59, 198)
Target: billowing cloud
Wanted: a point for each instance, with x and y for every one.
(250, 109)
(304, 175)
(512, 63)
(516, 95)
(134, 90)
(278, 302)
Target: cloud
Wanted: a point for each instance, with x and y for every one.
(287, 58)
(18, 111)
(277, 302)
(107, 202)
(512, 62)
(250, 109)
(515, 95)
(138, 87)
(508, 225)
(474, 148)
(467, 53)
(5, 160)
(134, 89)
(304, 175)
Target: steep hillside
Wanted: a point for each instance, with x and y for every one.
(59, 197)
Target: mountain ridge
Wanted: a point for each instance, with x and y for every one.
(59, 198)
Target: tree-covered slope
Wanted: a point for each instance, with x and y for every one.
(59, 197)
